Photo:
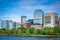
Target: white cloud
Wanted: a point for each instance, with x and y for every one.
(44, 8)
(12, 17)
(15, 18)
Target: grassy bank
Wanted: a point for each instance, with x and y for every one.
(49, 36)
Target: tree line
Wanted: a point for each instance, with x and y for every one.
(30, 31)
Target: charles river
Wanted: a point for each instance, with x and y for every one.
(27, 38)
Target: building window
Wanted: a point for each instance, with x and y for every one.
(47, 19)
(56, 19)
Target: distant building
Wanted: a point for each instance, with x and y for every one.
(5, 24)
(59, 20)
(38, 18)
(18, 24)
(37, 26)
(50, 19)
(0, 24)
(27, 25)
(14, 25)
(30, 21)
(10, 24)
(23, 21)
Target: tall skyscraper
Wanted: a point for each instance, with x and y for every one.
(50, 19)
(38, 17)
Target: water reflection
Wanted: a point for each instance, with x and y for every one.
(26, 38)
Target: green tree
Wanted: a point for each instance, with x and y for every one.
(31, 30)
(19, 32)
(27, 33)
(35, 32)
(57, 30)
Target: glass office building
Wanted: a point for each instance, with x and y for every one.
(30, 21)
(5, 24)
(14, 25)
(38, 17)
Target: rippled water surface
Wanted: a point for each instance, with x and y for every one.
(26, 38)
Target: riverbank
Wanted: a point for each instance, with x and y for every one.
(27, 38)
(48, 36)
(31, 32)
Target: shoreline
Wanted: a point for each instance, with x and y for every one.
(44, 36)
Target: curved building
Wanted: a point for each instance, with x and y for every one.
(38, 17)
(51, 19)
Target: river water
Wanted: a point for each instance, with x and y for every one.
(27, 38)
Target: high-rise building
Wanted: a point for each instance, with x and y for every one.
(14, 25)
(50, 19)
(5, 24)
(23, 20)
(38, 19)
(10, 24)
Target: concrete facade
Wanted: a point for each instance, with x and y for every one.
(59, 20)
(50, 19)
(10, 24)
(23, 21)
(37, 26)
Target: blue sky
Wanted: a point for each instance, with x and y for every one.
(14, 9)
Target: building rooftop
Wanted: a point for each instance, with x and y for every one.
(51, 13)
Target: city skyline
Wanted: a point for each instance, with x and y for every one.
(17, 8)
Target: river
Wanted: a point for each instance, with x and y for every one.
(27, 38)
